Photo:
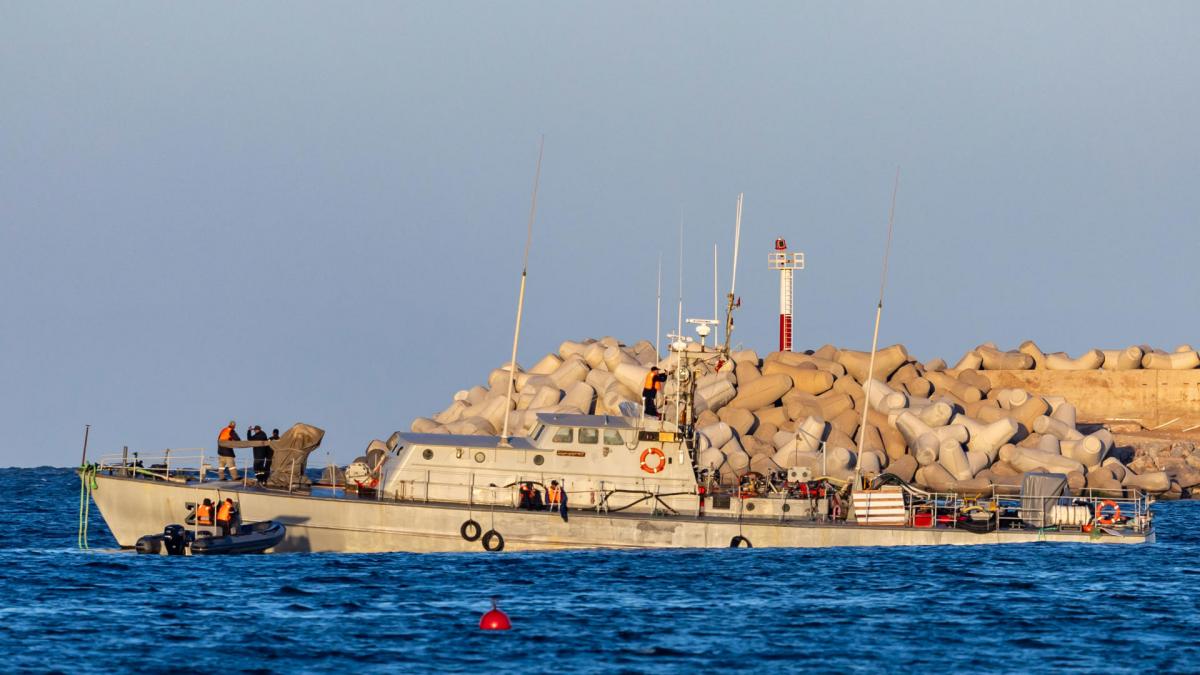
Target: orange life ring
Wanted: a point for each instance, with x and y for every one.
(662, 460)
(1116, 514)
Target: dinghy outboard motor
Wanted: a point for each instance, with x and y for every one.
(175, 538)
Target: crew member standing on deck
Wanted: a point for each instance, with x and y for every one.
(262, 454)
(650, 389)
(225, 456)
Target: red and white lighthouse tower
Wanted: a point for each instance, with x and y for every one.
(786, 262)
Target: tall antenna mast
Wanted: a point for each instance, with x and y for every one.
(658, 313)
(887, 251)
(679, 315)
(512, 364)
(737, 237)
(714, 284)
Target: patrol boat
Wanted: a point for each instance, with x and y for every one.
(630, 481)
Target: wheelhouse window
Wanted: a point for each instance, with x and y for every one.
(589, 436)
(564, 435)
(537, 432)
(613, 437)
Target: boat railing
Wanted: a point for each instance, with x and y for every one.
(1083, 510)
(173, 465)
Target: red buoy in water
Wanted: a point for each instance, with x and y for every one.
(495, 619)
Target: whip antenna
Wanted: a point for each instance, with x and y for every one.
(737, 238)
(512, 364)
(887, 251)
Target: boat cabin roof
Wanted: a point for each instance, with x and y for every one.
(460, 440)
(596, 421)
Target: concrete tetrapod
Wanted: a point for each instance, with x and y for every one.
(1176, 361)
(936, 477)
(883, 398)
(1009, 398)
(974, 378)
(919, 387)
(925, 449)
(934, 413)
(1065, 413)
(580, 395)
(1153, 482)
(1088, 450)
(969, 361)
(547, 365)
(911, 427)
(943, 382)
(742, 421)
(989, 438)
(887, 360)
(762, 392)
(1129, 358)
(903, 468)
(808, 380)
(569, 372)
(953, 459)
(1089, 360)
(1026, 459)
(714, 396)
(1030, 348)
(717, 434)
(568, 348)
(1048, 425)
(994, 359)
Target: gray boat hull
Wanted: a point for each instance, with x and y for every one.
(134, 506)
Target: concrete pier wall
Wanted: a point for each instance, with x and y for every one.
(1150, 397)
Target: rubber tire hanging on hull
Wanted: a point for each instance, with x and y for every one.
(738, 541)
(488, 538)
(473, 527)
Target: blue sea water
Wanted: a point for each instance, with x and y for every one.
(1019, 608)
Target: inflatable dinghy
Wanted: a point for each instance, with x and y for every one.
(178, 540)
(251, 538)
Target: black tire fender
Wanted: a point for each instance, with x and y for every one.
(740, 542)
(493, 541)
(470, 530)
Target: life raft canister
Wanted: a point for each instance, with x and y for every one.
(1116, 514)
(662, 460)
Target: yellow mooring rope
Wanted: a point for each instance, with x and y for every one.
(87, 483)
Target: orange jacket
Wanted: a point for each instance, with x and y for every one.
(225, 434)
(204, 514)
(652, 382)
(225, 512)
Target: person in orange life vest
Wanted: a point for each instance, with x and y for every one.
(556, 499)
(650, 389)
(225, 455)
(226, 514)
(204, 513)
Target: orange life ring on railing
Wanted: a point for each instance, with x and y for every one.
(662, 460)
(1116, 514)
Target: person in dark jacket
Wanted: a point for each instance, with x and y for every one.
(262, 454)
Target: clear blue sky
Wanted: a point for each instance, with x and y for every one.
(281, 212)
